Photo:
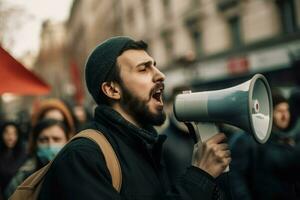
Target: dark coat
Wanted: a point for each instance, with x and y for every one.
(9, 165)
(177, 150)
(264, 171)
(79, 171)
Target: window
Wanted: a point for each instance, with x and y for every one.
(226, 4)
(287, 15)
(168, 42)
(130, 16)
(166, 7)
(234, 24)
(146, 10)
(194, 30)
(195, 3)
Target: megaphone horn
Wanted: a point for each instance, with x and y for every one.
(247, 106)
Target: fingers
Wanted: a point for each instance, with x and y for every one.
(221, 147)
(216, 139)
(213, 155)
(219, 150)
(215, 144)
(223, 154)
(226, 162)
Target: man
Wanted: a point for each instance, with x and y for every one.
(127, 86)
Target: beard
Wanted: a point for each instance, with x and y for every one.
(139, 109)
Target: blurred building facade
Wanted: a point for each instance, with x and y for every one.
(52, 63)
(203, 43)
(90, 22)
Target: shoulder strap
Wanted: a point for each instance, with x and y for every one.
(30, 188)
(110, 156)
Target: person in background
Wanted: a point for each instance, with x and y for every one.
(46, 140)
(294, 102)
(54, 109)
(24, 120)
(12, 152)
(82, 117)
(270, 170)
(178, 147)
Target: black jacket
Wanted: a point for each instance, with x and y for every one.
(264, 171)
(80, 172)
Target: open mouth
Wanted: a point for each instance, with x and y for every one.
(157, 94)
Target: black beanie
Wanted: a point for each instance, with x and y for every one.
(101, 62)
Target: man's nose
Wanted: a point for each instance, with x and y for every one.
(158, 75)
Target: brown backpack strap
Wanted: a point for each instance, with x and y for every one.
(110, 156)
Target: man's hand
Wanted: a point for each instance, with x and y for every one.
(213, 155)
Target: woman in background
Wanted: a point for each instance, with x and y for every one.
(46, 140)
(12, 153)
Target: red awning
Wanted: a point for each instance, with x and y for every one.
(16, 79)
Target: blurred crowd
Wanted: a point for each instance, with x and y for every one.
(257, 171)
(27, 145)
(267, 171)
(270, 170)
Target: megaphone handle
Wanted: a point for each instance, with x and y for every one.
(206, 130)
(201, 130)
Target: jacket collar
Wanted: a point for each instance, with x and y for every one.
(110, 118)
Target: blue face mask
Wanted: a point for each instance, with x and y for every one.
(47, 153)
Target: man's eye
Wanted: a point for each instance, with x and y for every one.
(142, 68)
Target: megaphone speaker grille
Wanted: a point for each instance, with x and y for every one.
(261, 108)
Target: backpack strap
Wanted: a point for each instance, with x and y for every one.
(31, 187)
(110, 156)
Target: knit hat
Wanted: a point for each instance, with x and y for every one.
(50, 104)
(100, 64)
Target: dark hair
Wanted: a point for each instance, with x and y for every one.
(278, 98)
(114, 73)
(39, 127)
(18, 148)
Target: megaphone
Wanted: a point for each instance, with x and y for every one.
(247, 106)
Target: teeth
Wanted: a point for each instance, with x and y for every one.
(158, 91)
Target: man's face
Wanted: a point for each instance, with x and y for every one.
(281, 115)
(141, 87)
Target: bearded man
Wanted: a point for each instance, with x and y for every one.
(127, 87)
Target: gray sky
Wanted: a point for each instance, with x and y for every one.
(27, 36)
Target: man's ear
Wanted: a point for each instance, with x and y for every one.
(112, 90)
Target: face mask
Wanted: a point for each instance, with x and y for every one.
(47, 153)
